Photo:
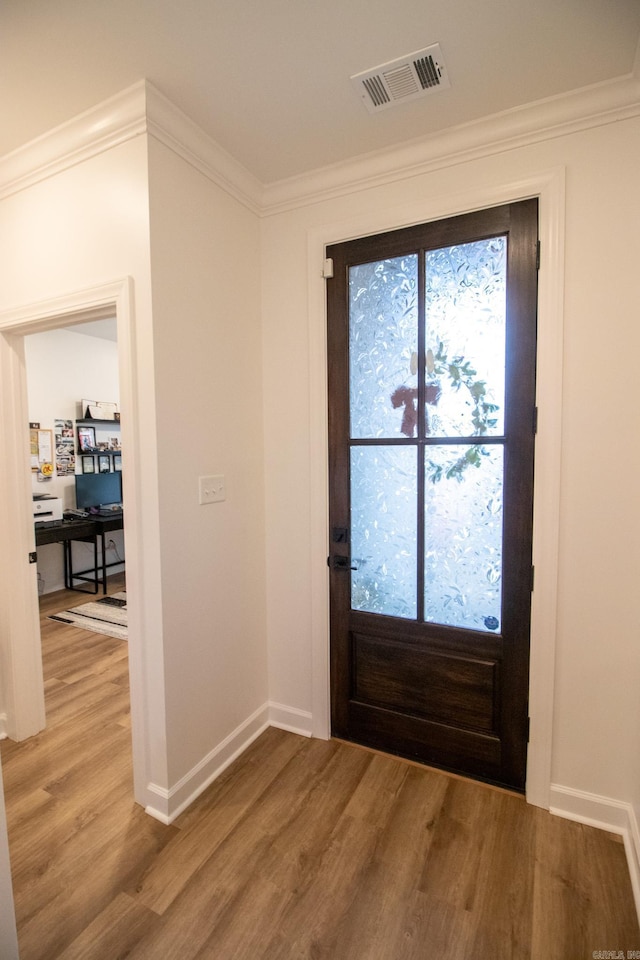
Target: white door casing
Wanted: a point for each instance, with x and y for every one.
(549, 187)
(20, 647)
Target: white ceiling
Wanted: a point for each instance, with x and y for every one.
(269, 79)
(102, 329)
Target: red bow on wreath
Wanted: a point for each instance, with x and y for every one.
(408, 397)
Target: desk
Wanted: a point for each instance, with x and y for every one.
(89, 530)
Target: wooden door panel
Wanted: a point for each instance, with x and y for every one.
(438, 745)
(433, 686)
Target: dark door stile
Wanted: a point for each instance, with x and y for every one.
(448, 696)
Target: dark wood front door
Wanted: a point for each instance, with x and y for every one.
(431, 345)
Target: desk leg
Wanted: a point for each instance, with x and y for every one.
(68, 567)
(104, 564)
(95, 560)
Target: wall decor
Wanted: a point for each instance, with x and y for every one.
(41, 446)
(65, 453)
(86, 439)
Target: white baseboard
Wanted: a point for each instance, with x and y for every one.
(170, 803)
(167, 804)
(290, 718)
(606, 814)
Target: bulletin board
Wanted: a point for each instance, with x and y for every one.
(41, 445)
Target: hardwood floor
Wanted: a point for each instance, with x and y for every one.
(301, 849)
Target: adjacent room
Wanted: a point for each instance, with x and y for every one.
(65, 367)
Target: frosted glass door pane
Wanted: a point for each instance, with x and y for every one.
(383, 530)
(463, 536)
(383, 344)
(465, 314)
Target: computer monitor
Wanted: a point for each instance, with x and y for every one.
(98, 489)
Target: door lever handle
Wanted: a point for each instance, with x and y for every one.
(340, 563)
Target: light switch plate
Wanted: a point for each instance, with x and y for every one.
(211, 489)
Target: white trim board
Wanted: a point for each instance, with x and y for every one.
(139, 109)
(605, 814)
(549, 187)
(167, 805)
(547, 119)
(142, 108)
(291, 719)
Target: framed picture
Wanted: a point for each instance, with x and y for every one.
(104, 464)
(88, 465)
(86, 439)
(117, 462)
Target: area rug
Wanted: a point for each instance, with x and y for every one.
(107, 615)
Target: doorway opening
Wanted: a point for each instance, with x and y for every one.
(24, 713)
(66, 369)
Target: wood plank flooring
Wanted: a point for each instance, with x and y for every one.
(301, 850)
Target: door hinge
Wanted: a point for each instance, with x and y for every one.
(327, 269)
(533, 577)
(33, 556)
(528, 729)
(538, 255)
(535, 420)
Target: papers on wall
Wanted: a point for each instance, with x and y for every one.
(41, 442)
(65, 451)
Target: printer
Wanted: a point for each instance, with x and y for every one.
(46, 508)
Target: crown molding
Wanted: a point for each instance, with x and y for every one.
(142, 108)
(547, 119)
(110, 123)
(168, 124)
(139, 109)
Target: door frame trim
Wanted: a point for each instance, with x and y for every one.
(549, 187)
(22, 646)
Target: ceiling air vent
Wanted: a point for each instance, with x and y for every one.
(405, 79)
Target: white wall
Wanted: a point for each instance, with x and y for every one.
(597, 711)
(73, 231)
(63, 367)
(197, 588)
(207, 343)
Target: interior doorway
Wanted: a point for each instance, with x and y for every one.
(67, 369)
(23, 692)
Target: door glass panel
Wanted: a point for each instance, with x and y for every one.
(383, 344)
(463, 536)
(383, 530)
(465, 314)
